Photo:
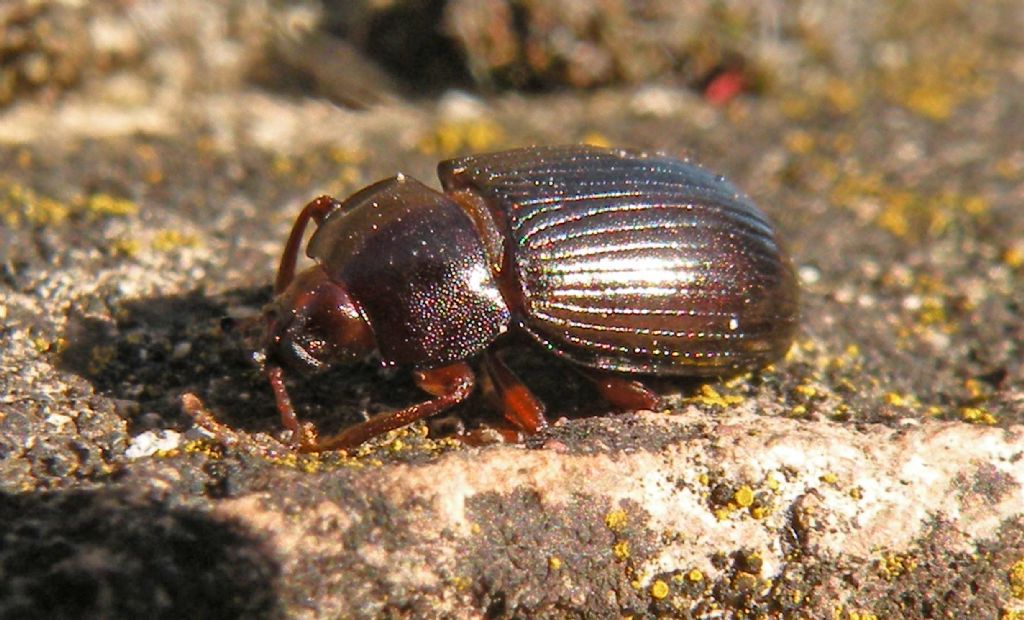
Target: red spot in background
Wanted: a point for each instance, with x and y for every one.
(725, 86)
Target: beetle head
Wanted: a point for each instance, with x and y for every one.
(314, 324)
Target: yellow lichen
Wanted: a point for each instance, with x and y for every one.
(470, 136)
(167, 240)
(621, 549)
(893, 565)
(1016, 579)
(744, 496)
(896, 399)
(710, 396)
(695, 575)
(744, 581)
(282, 165)
(461, 582)
(829, 478)
(1013, 256)
(342, 155)
(975, 388)
(616, 520)
(938, 85)
(21, 206)
(659, 589)
(126, 246)
(805, 390)
(107, 205)
(977, 415)
(554, 562)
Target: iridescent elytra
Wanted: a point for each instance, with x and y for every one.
(624, 263)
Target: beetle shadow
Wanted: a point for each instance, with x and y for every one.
(111, 553)
(157, 348)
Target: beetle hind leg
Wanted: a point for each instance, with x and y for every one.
(623, 393)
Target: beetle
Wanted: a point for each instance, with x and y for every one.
(621, 262)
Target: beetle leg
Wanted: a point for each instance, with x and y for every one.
(193, 407)
(624, 394)
(518, 403)
(450, 385)
(300, 432)
(317, 210)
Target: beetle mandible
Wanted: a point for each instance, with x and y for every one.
(621, 262)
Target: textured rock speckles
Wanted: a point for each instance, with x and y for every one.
(541, 530)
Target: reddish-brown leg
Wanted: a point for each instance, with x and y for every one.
(317, 210)
(449, 384)
(518, 403)
(201, 417)
(284, 406)
(624, 394)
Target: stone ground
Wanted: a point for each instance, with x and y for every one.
(147, 182)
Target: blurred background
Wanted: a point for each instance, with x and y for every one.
(361, 52)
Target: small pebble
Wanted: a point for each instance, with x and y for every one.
(151, 442)
(181, 350)
(809, 275)
(58, 421)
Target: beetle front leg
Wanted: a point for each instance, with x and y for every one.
(300, 432)
(449, 384)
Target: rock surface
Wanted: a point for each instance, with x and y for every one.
(145, 195)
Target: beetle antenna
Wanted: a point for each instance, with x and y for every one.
(317, 209)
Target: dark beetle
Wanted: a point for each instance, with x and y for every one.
(618, 261)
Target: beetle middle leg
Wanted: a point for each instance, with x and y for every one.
(449, 385)
(518, 404)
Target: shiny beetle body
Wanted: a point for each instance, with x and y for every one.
(621, 262)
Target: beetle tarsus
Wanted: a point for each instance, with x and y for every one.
(194, 408)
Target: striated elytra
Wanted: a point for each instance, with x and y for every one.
(621, 262)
